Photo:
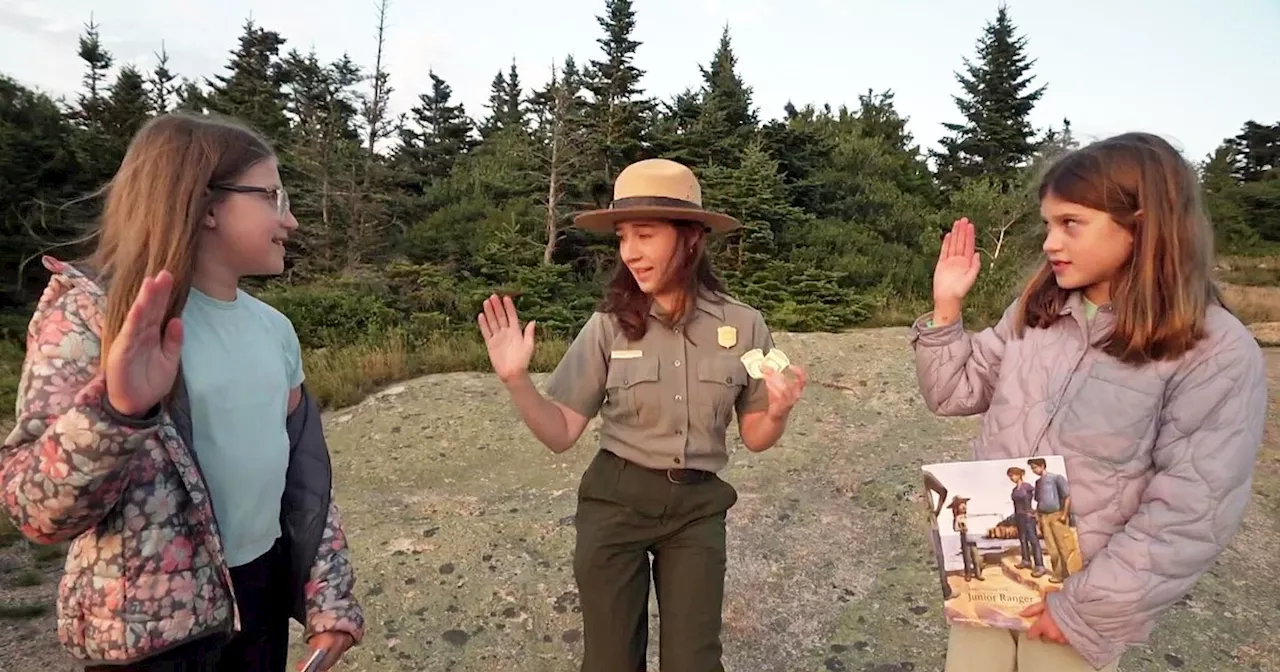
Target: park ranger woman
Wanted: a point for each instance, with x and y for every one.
(662, 363)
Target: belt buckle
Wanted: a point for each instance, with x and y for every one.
(690, 476)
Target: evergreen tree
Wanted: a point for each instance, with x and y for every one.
(996, 138)
(800, 151)
(253, 88)
(724, 89)
(713, 124)
(618, 116)
(755, 194)
(39, 170)
(675, 131)
(98, 61)
(97, 153)
(1232, 232)
(190, 97)
(439, 132)
(127, 108)
(841, 212)
(1257, 152)
(506, 103)
(161, 84)
(324, 144)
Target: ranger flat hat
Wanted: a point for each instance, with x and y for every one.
(655, 189)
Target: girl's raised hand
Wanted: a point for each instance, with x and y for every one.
(957, 268)
(143, 361)
(510, 347)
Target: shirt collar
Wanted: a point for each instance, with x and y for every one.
(707, 302)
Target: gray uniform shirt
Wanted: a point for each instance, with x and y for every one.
(666, 400)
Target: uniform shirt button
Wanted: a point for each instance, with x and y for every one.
(677, 460)
(677, 362)
(679, 398)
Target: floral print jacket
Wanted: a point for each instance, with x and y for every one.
(144, 571)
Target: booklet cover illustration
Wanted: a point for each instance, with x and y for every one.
(1004, 536)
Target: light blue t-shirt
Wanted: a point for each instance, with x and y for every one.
(240, 359)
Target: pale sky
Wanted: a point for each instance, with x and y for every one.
(1190, 70)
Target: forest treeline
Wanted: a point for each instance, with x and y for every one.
(407, 221)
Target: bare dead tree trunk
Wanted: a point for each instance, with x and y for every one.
(560, 153)
(553, 199)
(364, 224)
(377, 109)
(1000, 234)
(554, 172)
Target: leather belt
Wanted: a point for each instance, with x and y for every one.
(688, 476)
(676, 476)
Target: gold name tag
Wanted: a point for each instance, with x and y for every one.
(626, 354)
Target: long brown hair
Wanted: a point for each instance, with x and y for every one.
(1161, 295)
(690, 270)
(157, 200)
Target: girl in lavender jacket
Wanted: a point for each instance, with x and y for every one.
(1120, 356)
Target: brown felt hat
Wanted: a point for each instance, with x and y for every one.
(654, 189)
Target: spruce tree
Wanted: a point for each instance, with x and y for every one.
(127, 108)
(252, 90)
(506, 103)
(724, 89)
(97, 154)
(996, 139)
(1257, 149)
(618, 115)
(161, 85)
(98, 61)
(713, 124)
(439, 132)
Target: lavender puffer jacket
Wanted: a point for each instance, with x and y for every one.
(1160, 456)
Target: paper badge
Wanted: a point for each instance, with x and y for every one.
(755, 361)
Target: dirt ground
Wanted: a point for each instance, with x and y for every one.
(462, 532)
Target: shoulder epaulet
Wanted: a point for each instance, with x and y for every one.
(727, 298)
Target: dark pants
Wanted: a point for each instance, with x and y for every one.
(625, 513)
(1029, 542)
(969, 554)
(262, 645)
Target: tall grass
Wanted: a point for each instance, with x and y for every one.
(341, 376)
(1253, 304)
(1255, 271)
(344, 374)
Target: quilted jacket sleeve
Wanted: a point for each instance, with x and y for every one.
(1211, 428)
(957, 370)
(331, 604)
(65, 463)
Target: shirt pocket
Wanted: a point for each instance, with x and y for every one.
(631, 390)
(721, 380)
(1115, 413)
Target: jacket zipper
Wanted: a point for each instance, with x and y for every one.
(1062, 393)
(224, 573)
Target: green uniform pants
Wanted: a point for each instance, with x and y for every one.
(625, 513)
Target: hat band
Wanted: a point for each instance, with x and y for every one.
(652, 202)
